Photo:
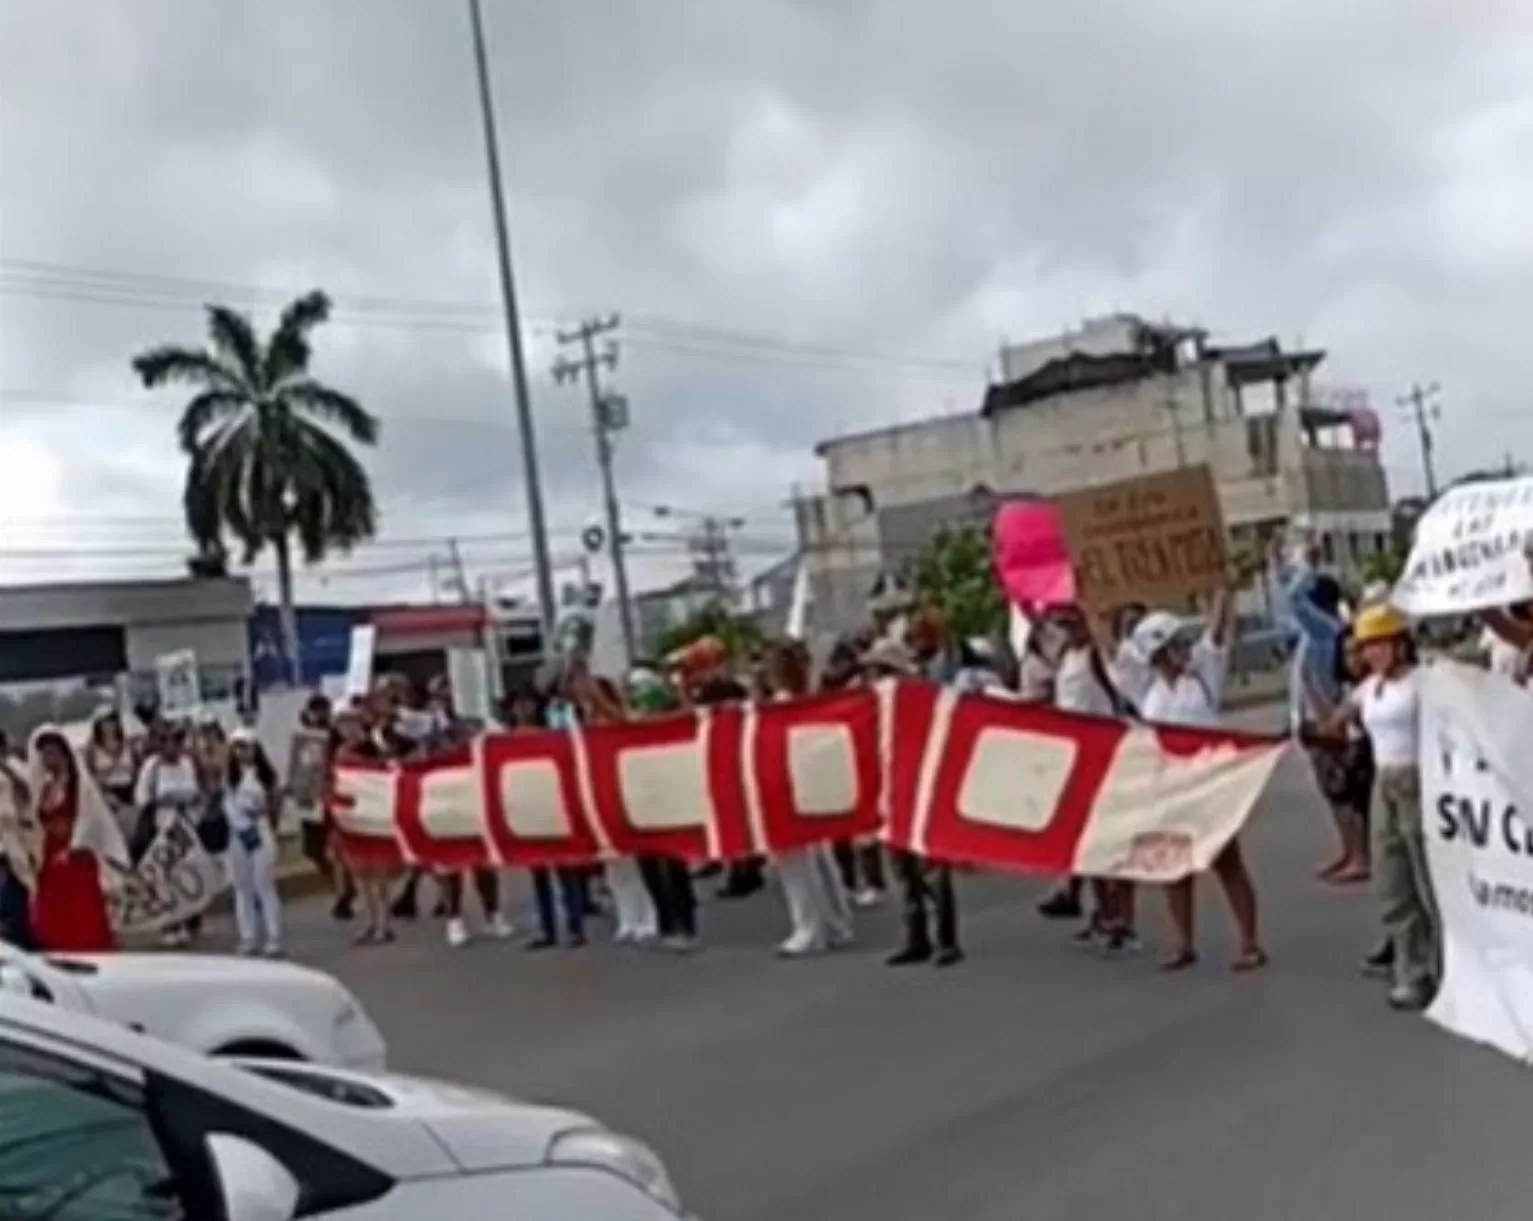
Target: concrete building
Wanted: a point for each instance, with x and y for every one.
(95, 632)
(1118, 398)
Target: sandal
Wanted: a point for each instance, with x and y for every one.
(367, 936)
(1179, 961)
(1350, 875)
(1253, 959)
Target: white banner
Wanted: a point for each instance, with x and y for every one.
(175, 881)
(1469, 552)
(1477, 777)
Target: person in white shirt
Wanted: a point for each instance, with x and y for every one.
(1187, 688)
(1386, 705)
(1083, 684)
(251, 797)
(819, 912)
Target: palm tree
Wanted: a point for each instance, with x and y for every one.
(269, 449)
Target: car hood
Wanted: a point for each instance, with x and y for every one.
(210, 969)
(479, 1129)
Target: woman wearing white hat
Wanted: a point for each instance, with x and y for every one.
(1187, 688)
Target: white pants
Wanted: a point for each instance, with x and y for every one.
(817, 905)
(635, 909)
(257, 906)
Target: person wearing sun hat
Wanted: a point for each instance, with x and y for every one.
(1386, 706)
(1187, 688)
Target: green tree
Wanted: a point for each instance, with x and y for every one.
(270, 450)
(954, 573)
(739, 634)
(1383, 566)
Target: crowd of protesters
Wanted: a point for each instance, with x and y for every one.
(1354, 706)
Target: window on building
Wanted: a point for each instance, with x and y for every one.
(1328, 547)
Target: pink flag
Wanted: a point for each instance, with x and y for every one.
(1032, 559)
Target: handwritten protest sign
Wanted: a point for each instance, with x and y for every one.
(1470, 550)
(1158, 539)
(175, 880)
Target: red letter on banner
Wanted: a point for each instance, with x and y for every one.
(659, 790)
(361, 801)
(533, 808)
(818, 770)
(1016, 784)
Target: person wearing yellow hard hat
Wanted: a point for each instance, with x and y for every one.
(1386, 706)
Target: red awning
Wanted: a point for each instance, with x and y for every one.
(428, 620)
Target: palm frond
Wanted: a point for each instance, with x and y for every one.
(330, 406)
(234, 339)
(288, 353)
(210, 408)
(169, 364)
(217, 497)
(332, 498)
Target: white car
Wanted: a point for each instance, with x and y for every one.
(97, 1121)
(211, 1003)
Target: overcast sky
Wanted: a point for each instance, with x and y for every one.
(814, 215)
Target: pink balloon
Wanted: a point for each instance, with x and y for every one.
(1032, 558)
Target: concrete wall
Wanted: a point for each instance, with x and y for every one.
(926, 474)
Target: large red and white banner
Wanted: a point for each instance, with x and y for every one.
(960, 778)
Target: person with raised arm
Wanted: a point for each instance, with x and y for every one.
(1187, 688)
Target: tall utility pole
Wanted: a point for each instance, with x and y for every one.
(459, 572)
(609, 416)
(548, 609)
(1421, 402)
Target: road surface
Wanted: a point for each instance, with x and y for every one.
(1034, 1082)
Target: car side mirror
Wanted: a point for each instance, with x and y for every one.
(253, 1184)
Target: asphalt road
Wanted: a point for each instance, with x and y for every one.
(1035, 1081)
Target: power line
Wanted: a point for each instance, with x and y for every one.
(83, 285)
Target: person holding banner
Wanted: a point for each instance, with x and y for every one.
(1083, 684)
(81, 842)
(169, 790)
(355, 740)
(1187, 688)
(1386, 706)
(819, 913)
(928, 885)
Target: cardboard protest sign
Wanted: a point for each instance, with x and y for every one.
(1470, 551)
(1158, 539)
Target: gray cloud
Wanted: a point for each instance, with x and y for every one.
(873, 176)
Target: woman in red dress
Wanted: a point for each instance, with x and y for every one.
(79, 839)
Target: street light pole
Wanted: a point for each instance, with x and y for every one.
(547, 608)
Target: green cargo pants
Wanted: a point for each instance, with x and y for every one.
(1401, 880)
